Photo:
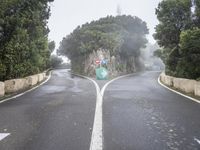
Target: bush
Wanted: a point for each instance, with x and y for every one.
(189, 63)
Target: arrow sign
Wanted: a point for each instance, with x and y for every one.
(104, 73)
(101, 73)
(3, 135)
(104, 61)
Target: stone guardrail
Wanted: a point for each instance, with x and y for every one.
(16, 85)
(185, 85)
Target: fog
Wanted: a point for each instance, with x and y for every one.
(67, 15)
(150, 61)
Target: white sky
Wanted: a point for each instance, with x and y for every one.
(66, 15)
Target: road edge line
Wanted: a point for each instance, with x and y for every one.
(18, 95)
(179, 93)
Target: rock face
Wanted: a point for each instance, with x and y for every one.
(115, 64)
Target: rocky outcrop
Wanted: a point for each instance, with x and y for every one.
(115, 64)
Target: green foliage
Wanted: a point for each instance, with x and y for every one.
(179, 35)
(174, 16)
(55, 61)
(23, 37)
(52, 46)
(121, 35)
(197, 13)
(189, 60)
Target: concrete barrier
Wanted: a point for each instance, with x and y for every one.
(15, 85)
(185, 85)
(32, 80)
(2, 89)
(197, 89)
(167, 79)
(41, 77)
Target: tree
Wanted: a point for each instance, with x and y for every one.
(55, 61)
(178, 35)
(197, 13)
(119, 10)
(189, 60)
(174, 16)
(121, 35)
(52, 46)
(23, 37)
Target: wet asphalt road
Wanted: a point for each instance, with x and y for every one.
(56, 116)
(138, 114)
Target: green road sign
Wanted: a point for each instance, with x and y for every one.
(101, 73)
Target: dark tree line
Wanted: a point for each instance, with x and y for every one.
(178, 33)
(123, 36)
(23, 37)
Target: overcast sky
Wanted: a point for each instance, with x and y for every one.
(66, 15)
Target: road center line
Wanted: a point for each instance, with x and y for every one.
(3, 135)
(197, 140)
(97, 132)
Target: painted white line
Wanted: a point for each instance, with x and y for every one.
(3, 135)
(193, 99)
(197, 140)
(106, 85)
(27, 90)
(97, 132)
(97, 137)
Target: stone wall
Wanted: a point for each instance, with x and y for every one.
(16, 85)
(197, 88)
(185, 85)
(2, 89)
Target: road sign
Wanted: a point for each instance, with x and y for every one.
(101, 73)
(104, 61)
(97, 62)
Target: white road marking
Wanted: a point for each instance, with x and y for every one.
(193, 99)
(96, 139)
(3, 135)
(7, 99)
(197, 140)
(97, 132)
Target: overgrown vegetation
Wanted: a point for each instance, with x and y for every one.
(55, 61)
(178, 35)
(23, 37)
(123, 36)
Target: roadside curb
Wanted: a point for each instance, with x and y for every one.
(35, 87)
(179, 93)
